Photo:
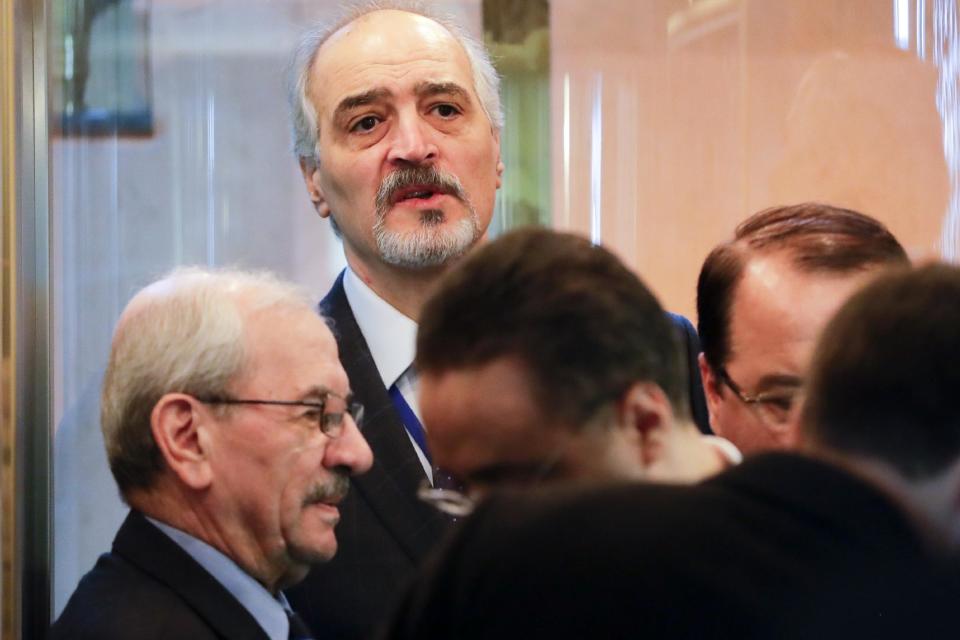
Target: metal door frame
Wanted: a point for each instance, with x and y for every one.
(25, 336)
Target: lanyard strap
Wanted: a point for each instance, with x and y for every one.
(410, 421)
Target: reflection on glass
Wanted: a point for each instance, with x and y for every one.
(596, 159)
(901, 23)
(671, 121)
(711, 110)
(517, 35)
(946, 55)
(212, 181)
(104, 68)
(563, 220)
(921, 29)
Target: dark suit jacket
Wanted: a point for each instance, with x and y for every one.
(148, 587)
(782, 546)
(384, 531)
(690, 350)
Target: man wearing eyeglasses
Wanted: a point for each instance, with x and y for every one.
(763, 298)
(231, 431)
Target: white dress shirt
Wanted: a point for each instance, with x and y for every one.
(392, 340)
(727, 450)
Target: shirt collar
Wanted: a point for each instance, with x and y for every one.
(267, 610)
(390, 335)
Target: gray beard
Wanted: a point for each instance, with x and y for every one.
(430, 245)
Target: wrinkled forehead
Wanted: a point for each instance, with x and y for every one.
(386, 49)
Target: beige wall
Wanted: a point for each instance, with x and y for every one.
(675, 119)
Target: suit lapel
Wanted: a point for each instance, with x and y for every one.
(148, 548)
(391, 484)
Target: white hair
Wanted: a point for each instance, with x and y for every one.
(486, 81)
(183, 333)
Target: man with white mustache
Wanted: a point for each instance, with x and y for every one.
(233, 444)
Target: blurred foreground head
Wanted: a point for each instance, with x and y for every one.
(541, 356)
(882, 392)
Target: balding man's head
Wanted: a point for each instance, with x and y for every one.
(762, 299)
(182, 333)
(397, 119)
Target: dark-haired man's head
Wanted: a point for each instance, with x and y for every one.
(543, 355)
(763, 298)
(882, 391)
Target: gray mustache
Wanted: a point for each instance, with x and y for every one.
(335, 488)
(428, 176)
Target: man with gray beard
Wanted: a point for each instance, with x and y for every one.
(396, 121)
(424, 246)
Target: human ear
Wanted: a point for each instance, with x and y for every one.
(646, 416)
(499, 166)
(310, 170)
(178, 426)
(711, 389)
(667, 450)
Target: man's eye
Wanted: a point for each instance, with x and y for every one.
(365, 124)
(784, 403)
(446, 110)
(779, 405)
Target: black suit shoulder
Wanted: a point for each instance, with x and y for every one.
(116, 600)
(755, 553)
(148, 587)
(690, 351)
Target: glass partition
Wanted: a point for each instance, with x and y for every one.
(171, 146)
(675, 119)
(652, 127)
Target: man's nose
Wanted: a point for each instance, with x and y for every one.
(349, 450)
(413, 142)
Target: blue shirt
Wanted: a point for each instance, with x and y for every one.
(268, 611)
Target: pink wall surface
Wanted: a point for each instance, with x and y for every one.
(675, 119)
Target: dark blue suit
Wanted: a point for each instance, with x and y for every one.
(690, 350)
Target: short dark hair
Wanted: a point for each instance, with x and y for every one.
(582, 323)
(818, 237)
(884, 378)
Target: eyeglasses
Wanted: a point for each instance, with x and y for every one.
(449, 501)
(458, 503)
(772, 407)
(330, 423)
